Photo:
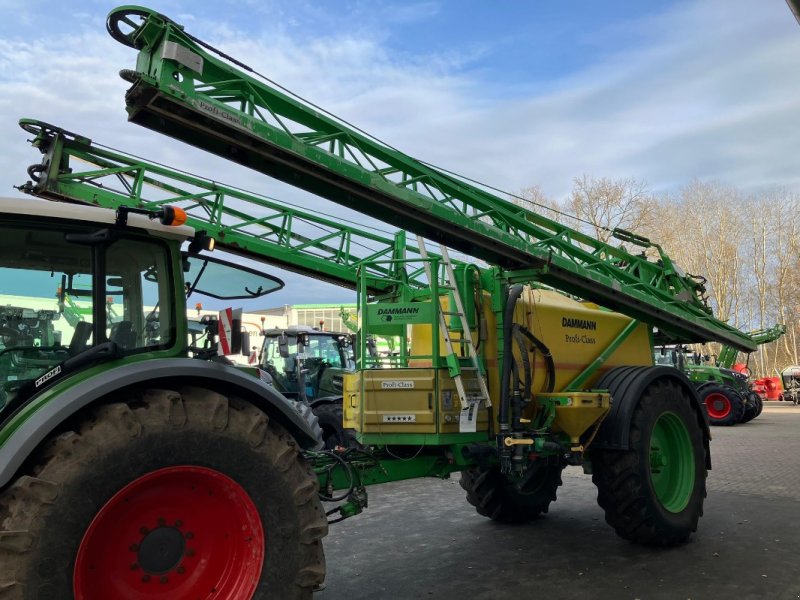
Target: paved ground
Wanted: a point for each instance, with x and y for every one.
(420, 539)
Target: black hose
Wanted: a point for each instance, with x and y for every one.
(505, 380)
(548, 358)
(525, 359)
(515, 375)
(478, 303)
(350, 475)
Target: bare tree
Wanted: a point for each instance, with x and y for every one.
(534, 199)
(607, 204)
(746, 247)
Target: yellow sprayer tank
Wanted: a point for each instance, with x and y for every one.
(418, 398)
(574, 332)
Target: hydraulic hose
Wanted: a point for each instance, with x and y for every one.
(516, 397)
(525, 359)
(548, 358)
(505, 379)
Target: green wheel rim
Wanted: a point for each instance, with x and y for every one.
(671, 462)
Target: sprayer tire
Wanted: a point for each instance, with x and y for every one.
(494, 496)
(653, 492)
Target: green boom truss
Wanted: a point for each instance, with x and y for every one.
(180, 88)
(727, 355)
(73, 169)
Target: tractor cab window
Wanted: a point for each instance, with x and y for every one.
(314, 358)
(279, 358)
(325, 349)
(51, 308)
(224, 280)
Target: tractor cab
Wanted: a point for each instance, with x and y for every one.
(680, 357)
(790, 378)
(306, 363)
(80, 286)
(77, 288)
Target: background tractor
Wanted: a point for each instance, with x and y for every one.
(790, 378)
(724, 386)
(308, 365)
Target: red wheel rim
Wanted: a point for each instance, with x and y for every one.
(178, 532)
(718, 405)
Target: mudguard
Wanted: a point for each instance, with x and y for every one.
(325, 400)
(626, 386)
(40, 415)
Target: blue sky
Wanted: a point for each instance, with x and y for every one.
(510, 93)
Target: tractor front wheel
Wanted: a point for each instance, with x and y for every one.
(493, 495)
(724, 405)
(168, 495)
(752, 407)
(759, 405)
(653, 492)
(331, 420)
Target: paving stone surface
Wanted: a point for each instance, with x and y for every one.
(420, 539)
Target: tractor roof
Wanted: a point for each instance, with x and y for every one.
(82, 212)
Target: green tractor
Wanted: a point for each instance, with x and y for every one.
(724, 392)
(724, 385)
(308, 365)
(109, 415)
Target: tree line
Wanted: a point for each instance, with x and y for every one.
(745, 245)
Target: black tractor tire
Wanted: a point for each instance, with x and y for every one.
(724, 405)
(45, 513)
(759, 405)
(331, 420)
(494, 496)
(751, 407)
(627, 481)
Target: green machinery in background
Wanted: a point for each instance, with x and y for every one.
(507, 368)
(724, 386)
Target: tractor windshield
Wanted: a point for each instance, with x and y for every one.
(224, 280)
(52, 295)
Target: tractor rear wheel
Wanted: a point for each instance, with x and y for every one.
(653, 492)
(724, 405)
(494, 496)
(167, 495)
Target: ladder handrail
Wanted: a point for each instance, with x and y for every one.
(466, 338)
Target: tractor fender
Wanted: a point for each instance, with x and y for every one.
(33, 422)
(325, 400)
(626, 386)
